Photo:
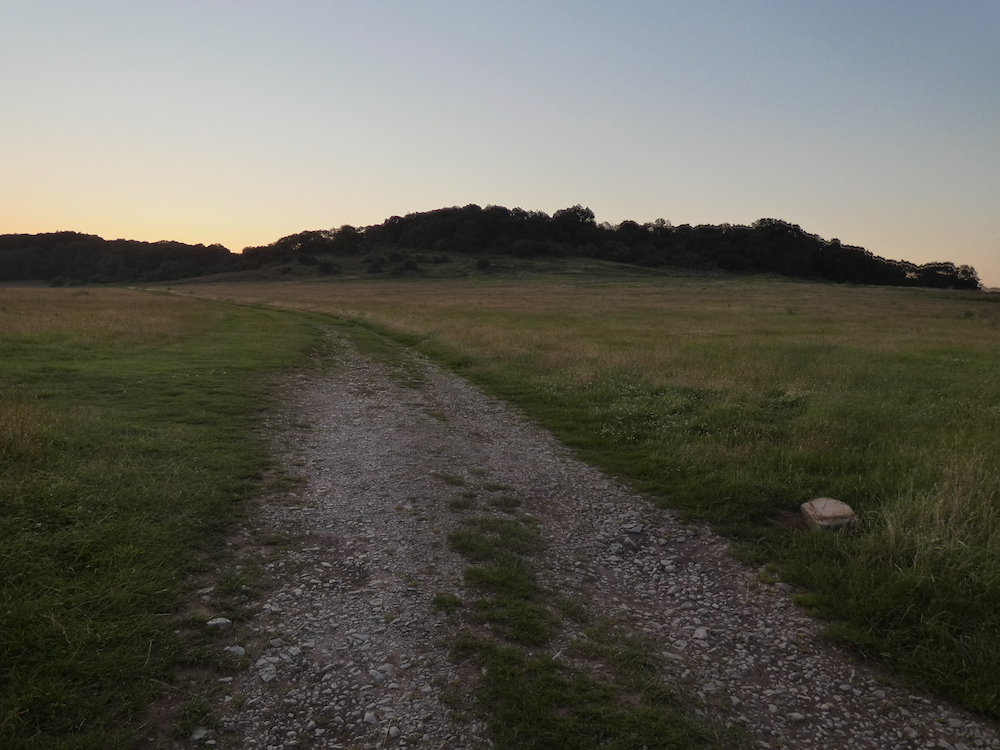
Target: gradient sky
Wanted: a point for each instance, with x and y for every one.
(874, 121)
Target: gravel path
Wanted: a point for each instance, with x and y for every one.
(348, 651)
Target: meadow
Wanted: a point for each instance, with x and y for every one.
(129, 448)
(127, 452)
(736, 399)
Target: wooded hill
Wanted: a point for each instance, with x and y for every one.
(403, 243)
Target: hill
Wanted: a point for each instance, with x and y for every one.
(408, 243)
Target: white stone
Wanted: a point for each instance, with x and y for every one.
(200, 734)
(827, 513)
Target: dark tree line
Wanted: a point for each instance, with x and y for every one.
(73, 258)
(766, 246)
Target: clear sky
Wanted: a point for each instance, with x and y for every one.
(238, 122)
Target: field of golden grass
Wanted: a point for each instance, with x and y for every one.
(714, 332)
(95, 314)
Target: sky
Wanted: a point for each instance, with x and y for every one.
(238, 122)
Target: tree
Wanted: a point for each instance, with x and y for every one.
(575, 224)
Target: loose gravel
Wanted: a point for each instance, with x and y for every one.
(347, 649)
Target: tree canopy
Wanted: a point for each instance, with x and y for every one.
(85, 258)
(766, 246)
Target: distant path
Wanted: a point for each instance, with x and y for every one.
(347, 650)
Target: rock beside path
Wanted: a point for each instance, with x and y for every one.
(827, 513)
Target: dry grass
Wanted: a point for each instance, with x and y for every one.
(94, 315)
(717, 333)
(956, 517)
(27, 433)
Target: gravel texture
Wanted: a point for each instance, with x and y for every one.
(347, 650)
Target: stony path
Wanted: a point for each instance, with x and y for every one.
(348, 651)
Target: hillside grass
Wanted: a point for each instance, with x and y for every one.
(735, 400)
(126, 451)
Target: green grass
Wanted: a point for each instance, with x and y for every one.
(614, 694)
(126, 451)
(735, 400)
(447, 602)
(540, 702)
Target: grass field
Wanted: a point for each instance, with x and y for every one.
(735, 400)
(126, 451)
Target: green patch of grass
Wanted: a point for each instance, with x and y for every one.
(509, 611)
(196, 711)
(126, 450)
(462, 502)
(496, 487)
(453, 480)
(447, 602)
(238, 583)
(539, 702)
(493, 539)
(508, 578)
(512, 598)
(536, 701)
(571, 608)
(506, 503)
(399, 363)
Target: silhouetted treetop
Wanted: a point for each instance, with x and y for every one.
(766, 246)
(87, 258)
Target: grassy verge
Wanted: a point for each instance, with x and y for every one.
(735, 400)
(126, 449)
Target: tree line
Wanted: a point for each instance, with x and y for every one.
(766, 246)
(75, 258)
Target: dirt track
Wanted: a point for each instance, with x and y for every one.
(348, 651)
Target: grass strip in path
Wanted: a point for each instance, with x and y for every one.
(534, 701)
